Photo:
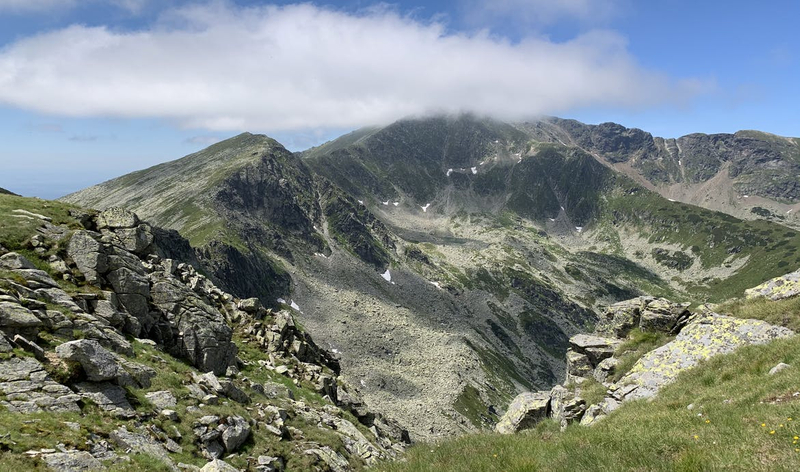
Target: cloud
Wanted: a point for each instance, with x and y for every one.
(29, 6)
(221, 67)
(202, 140)
(83, 138)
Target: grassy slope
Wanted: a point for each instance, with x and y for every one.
(742, 419)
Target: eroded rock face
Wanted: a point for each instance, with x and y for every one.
(525, 411)
(28, 388)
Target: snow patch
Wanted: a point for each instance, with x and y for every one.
(474, 170)
(482, 163)
(562, 208)
(425, 208)
(680, 163)
(790, 210)
(552, 219)
(496, 141)
(363, 384)
(579, 228)
(396, 203)
(361, 202)
(436, 284)
(295, 306)
(336, 351)
(281, 301)
(386, 202)
(319, 254)
(745, 196)
(387, 276)
(670, 199)
(449, 171)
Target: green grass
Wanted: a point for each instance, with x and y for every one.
(15, 232)
(733, 393)
(783, 312)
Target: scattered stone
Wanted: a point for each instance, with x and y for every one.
(139, 443)
(217, 465)
(107, 396)
(781, 366)
(31, 347)
(28, 388)
(16, 319)
(171, 415)
(14, 261)
(235, 433)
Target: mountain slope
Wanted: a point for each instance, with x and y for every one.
(447, 259)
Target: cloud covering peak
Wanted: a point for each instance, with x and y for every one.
(222, 67)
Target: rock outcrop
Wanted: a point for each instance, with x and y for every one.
(700, 336)
(779, 288)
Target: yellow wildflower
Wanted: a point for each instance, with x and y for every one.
(772, 432)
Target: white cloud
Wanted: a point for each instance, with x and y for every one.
(221, 67)
(27, 6)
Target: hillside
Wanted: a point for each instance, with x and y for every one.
(114, 355)
(466, 251)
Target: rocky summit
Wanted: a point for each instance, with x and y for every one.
(413, 282)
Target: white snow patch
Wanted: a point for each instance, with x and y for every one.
(436, 284)
(552, 219)
(396, 203)
(387, 276)
(746, 196)
(295, 306)
(449, 171)
(520, 160)
(363, 384)
(496, 141)
(386, 202)
(579, 228)
(335, 351)
(670, 199)
(361, 202)
(482, 163)
(562, 208)
(474, 170)
(790, 210)
(281, 300)
(425, 208)
(680, 163)
(319, 254)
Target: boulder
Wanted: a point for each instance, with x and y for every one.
(88, 255)
(605, 369)
(97, 362)
(235, 432)
(664, 316)
(565, 406)
(133, 292)
(596, 348)
(525, 412)
(107, 396)
(250, 305)
(620, 318)
(779, 288)
(72, 461)
(14, 261)
(139, 443)
(116, 217)
(16, 319)
(217, 465)
(578, 366)
(27, 388)
(135, 240)
(163, 399)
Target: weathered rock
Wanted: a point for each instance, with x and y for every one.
(578, 366)
(593, 414)
(269, 464)
(235, 433)
(605, 369)
(620, 318)
(702, 338)
(779, 288)
(162, 399)
(565, 406)
(595, 347)
(16, 319)
(28, 388)
(116, 217)
(250, 305)
(204, 338)
(98, 363)
(72, 461)
(525, 411)
(664, 316)
(107, 396)
(142, 444)
(88, 254)
(31, 347)
(136, 240)
(14, 261)
(217, 465)
(335, 461)
(133, 292)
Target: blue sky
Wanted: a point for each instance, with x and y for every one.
(93, 89)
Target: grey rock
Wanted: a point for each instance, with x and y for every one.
(565, 406)
(139, 443)
(28, 388)
(664, 316)
(162, 399)
(236, 432)
(16, 319)
(31, 347)
(597, 348)
(250, 305)
(276, 390)
(116, 217)
(171, 415)
(107, 396)
(605, 369)
(217, 465)
(779, 288)
(98, 363)
(335, 461)
(620, 318)
(593, 414)
(88, 254)
(72, 461)
(781, 366)
(136, 240)
(12, 261)
(133, 292)
(525, 412)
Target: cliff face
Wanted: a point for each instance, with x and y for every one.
(150, 364)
